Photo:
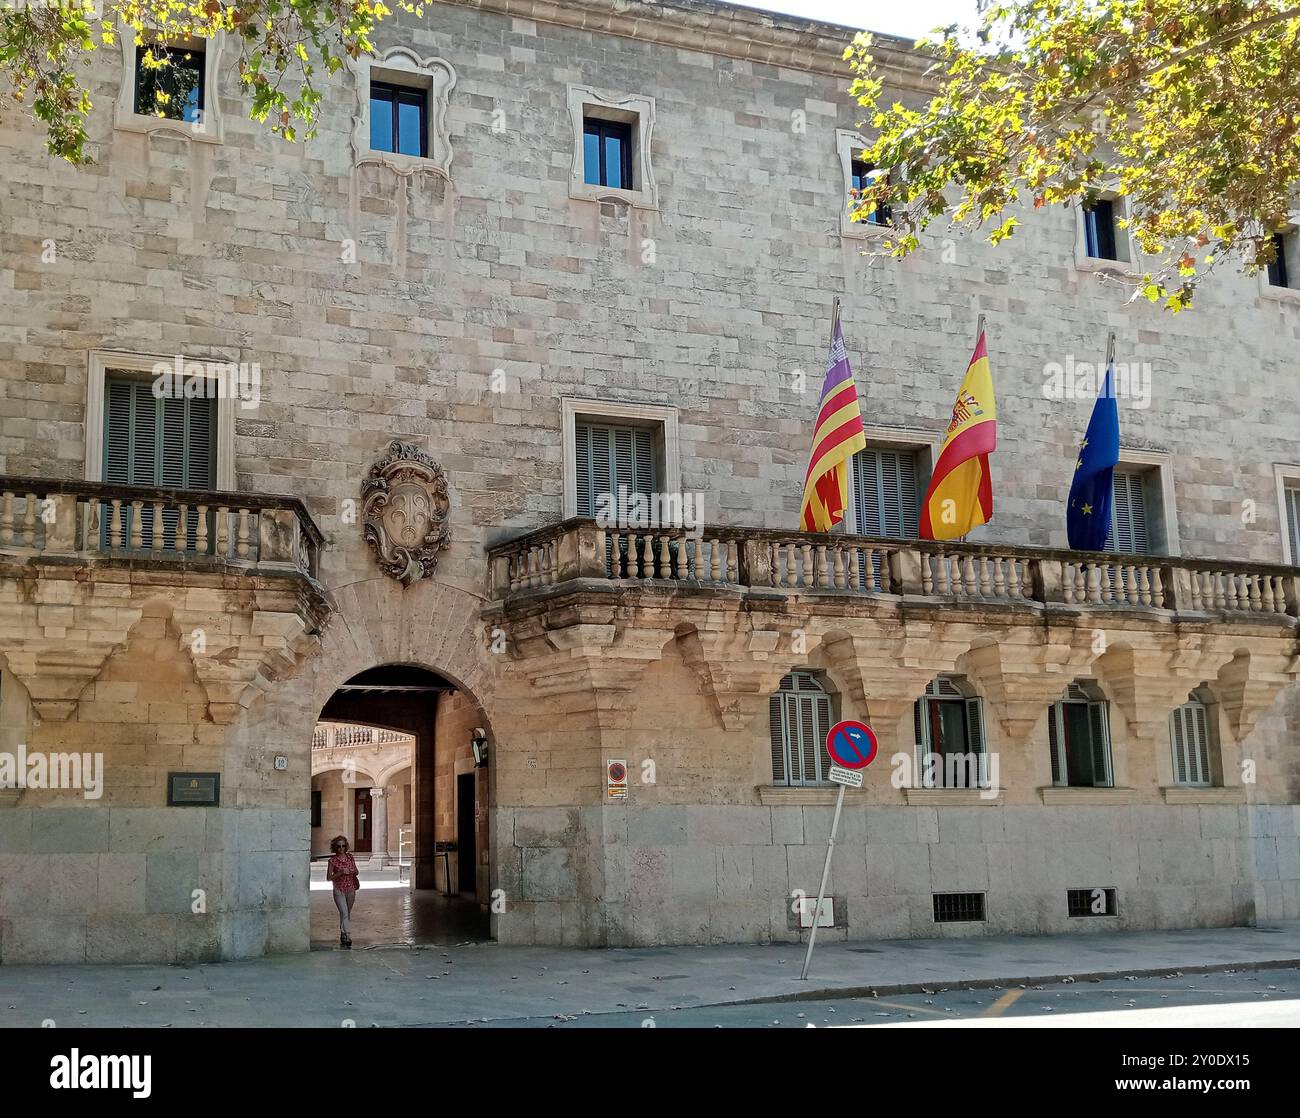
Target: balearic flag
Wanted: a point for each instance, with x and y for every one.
(837, 437)
(960, 496)
(1087, 516)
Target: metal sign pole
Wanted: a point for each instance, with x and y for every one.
(821, 892)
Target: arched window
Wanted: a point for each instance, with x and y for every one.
(800, 717)
(1193, 747)
(1078, 729)
(949, 728)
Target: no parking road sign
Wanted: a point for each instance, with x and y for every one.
(852, 746)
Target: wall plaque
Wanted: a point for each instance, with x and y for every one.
(193, 789)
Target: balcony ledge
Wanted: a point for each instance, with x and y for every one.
(953, 797)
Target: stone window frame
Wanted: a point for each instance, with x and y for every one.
(1159, 463)
(1286, 476)
(635, 109)
(404, 67)
(1128, 266)
(921, 443)
(103, 362)
(665, 419)
(847, 145)
(1285, 294)
(210, 129)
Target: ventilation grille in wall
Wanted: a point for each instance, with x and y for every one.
(1091, 902)
(951, 907)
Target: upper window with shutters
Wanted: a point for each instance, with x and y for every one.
(800, 715)
(168, 442)
(949, 726)
(1078, 730)
(1288, 492)
(618, 459)
(886, 492)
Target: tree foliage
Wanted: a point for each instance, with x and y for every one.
(1188, 109)
(281, 47)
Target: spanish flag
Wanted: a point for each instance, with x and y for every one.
(837, 438)
(960, 496)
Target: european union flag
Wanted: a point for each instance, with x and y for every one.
(1087, 518)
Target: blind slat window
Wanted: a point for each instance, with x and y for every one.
(610, 456)
(947, 722)
(885, 493)
(1292, 499)
(1128, 519)
(164, 442)
(1190, 738)
(799, 718)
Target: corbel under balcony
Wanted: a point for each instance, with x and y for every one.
(746, 604)
(83, 563)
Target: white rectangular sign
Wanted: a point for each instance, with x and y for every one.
(850, 777)
(825, 914)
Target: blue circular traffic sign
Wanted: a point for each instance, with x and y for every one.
(852, 745)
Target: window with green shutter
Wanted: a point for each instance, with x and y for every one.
(1128, 515)
(1189, 736)
(1078, 730)
(610, 457)
(886, 500)
(164, 442)
(1291, 498)
(799, 718)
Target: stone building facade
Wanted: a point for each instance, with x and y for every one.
(485, 305)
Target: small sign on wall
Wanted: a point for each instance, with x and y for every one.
(616, 780)
(193, 789)
(825, 914)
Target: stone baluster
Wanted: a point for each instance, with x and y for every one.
(927, 576)
(29, 521)
(839, 560)
(1256, 601)
(986, 583)
(7, 520)
(241, 544)
(1157, 589)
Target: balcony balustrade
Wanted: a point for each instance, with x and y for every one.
(769, 561)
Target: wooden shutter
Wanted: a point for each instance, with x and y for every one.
(921, 727)
(1178, 740)
(1128, 522)
(779, 737)
(1189, 736)
(582, 470)
(974, 726)
(885, 495)
(1099, 739)
(1055, 738)
(1292, 495)
(164, 442)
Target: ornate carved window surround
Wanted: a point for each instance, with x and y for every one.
(403, 67)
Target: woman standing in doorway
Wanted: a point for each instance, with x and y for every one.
(342, 870)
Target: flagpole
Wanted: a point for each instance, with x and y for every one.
(1110, 350)
(979, 328)
(835, 318)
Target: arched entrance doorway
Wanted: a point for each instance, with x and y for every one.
(400, 768)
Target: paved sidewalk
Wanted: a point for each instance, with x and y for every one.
(480, 982)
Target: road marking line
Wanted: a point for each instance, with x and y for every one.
(999, 1007)
(908, 1008)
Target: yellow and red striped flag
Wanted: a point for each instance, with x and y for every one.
(837, 437)
(960, 496)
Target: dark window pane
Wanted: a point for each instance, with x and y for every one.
(410, 125)
(1078, 745)
(1277, 271)
(381, 120)
(1099, 230)
(173, 91)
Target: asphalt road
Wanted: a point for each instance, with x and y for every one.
(1228, 999)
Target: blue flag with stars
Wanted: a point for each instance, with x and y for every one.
(1087, 517)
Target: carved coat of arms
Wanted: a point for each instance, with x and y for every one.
(405, 512)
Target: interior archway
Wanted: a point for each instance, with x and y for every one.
(395, 772)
